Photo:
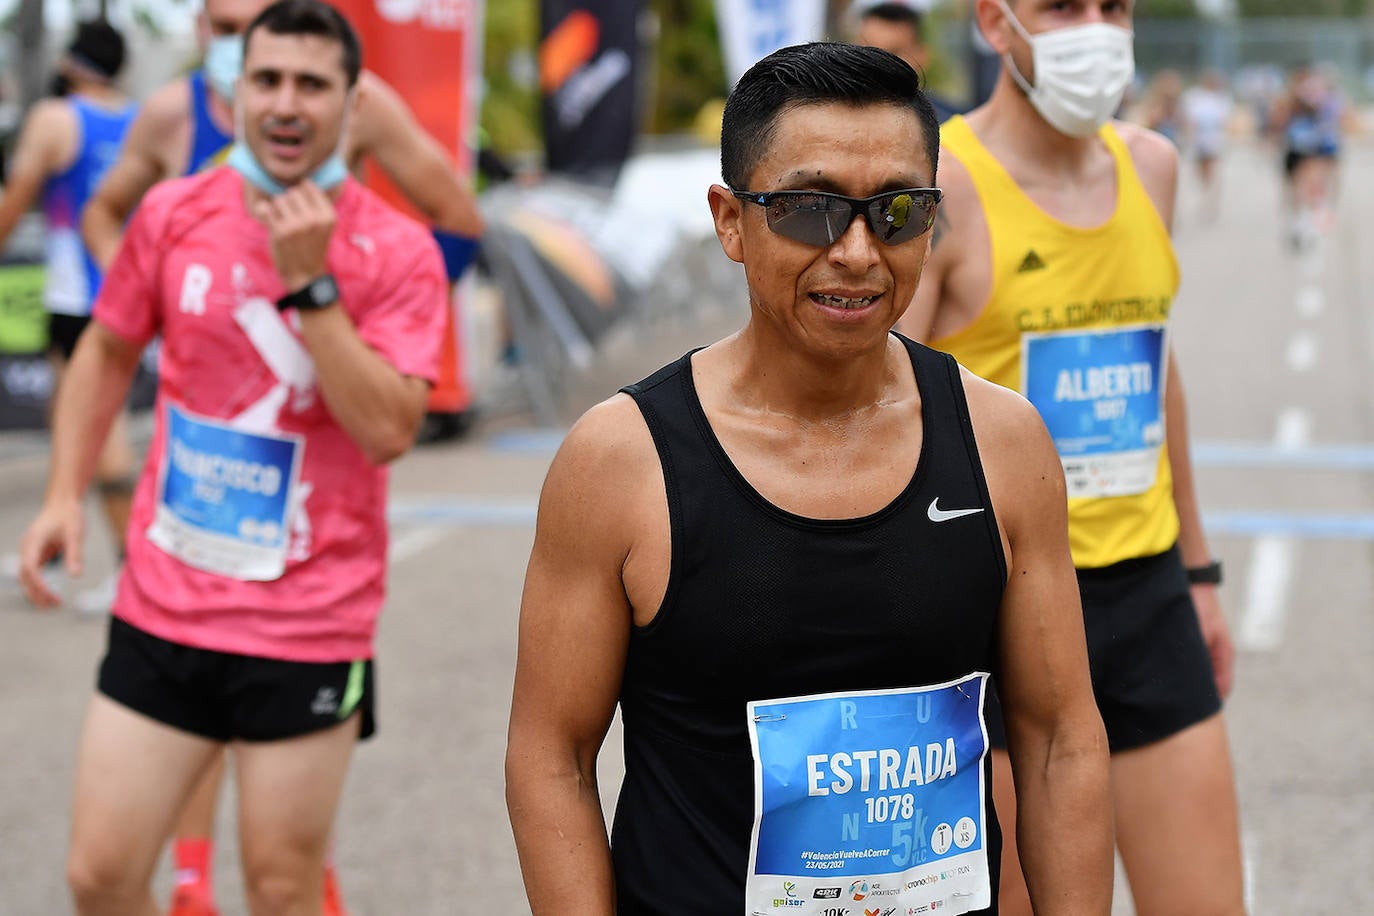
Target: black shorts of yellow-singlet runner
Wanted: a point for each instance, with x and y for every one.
(1151, 672)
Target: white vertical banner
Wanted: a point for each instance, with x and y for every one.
(750, 30)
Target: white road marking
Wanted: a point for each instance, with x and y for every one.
(1310, 301)
(412, 542)
(1312, 262)
(1294, 429)
(1302, 352)
(1266, 594)
(1270, 575)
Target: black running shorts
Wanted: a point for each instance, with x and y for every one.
(1151, 673)
(63, 332)
(226, 697)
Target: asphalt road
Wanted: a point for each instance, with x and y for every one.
(1277, 349)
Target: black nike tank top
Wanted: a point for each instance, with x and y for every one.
(761, 604)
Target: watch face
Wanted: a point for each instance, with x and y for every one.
(323, 291)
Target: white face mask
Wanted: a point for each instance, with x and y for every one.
(1081, 74)
(223, 64)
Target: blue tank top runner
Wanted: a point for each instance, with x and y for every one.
(72, 278)
(208, 142)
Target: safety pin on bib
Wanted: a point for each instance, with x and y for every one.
(777, 718)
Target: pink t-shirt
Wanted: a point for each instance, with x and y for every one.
(259, 526)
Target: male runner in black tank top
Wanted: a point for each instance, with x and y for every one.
(790, 560)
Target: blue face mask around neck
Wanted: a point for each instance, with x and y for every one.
(328, 176)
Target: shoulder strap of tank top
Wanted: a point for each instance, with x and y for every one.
(1134, 202)
(946, 405)
(207, 140)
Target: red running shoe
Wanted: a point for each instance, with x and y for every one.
(192, 900)
(333, 900)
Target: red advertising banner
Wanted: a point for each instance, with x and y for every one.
(429, 51)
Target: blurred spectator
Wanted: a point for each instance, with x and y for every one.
(1308, 120)
(1207, 109)
(1160, 109)
(897, 26)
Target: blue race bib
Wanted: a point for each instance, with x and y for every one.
(1101, 395)
(224, 497)
(872, 797)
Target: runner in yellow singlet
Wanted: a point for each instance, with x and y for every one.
(1053, 274)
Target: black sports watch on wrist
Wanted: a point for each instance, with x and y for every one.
(1205, 575)
(319, 293)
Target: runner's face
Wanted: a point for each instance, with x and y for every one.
(843, 149)
(294, 93)
(897, 37)
(219, 18)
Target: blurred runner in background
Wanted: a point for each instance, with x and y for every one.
(301, 318)
(66, 145)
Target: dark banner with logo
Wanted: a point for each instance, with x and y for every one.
(588, 78)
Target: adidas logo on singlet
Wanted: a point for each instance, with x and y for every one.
(1030, 262)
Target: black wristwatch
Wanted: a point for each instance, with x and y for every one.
(1205, 575)
(319, 293)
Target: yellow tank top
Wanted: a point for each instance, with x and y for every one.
(1077, 321)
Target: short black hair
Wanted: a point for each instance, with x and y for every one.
(895, 12)
(311, 17)
(98, 46)
(816, 73)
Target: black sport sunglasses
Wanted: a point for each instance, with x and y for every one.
(819, 218)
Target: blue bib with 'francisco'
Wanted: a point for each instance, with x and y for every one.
(224, 497)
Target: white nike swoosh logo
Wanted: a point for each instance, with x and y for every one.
(937, 514)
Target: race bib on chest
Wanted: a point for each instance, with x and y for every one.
(872, 801)
(224, 497)
(1101, 395)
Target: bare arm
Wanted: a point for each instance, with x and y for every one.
(1157, 162)
(44, 142)
(1192, 540)
(1055, 736)
(415, 163)
(957, 279)
(96, 382)
(574, 633)
(377, 406)
(142, 163)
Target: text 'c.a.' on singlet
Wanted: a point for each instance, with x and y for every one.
(1077, 321)
(803, 717)
(209, 144)
(71, 278)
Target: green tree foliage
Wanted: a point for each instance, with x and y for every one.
(687, 63)
(510, 102)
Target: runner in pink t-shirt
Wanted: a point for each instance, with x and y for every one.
(301, 322)
(232, 361)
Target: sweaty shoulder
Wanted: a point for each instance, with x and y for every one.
(960, 204)
(377, 104)
(1019, 459)
(166, 110)
(955, 283)
(608, 464)
(1156, 162)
